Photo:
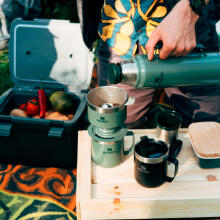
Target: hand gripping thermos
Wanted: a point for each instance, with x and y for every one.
(195, 69)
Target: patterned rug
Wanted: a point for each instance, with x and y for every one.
(37, 193)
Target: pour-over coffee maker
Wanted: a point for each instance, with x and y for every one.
(107, 109)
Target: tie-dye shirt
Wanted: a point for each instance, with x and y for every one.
(125, 23)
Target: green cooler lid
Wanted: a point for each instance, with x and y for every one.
(51, 51)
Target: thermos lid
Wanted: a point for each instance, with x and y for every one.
(114, 73)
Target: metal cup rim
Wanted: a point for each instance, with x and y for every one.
(156, 160)
(106, 110)
(147, 160)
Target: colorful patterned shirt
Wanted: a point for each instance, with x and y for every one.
(126, 23)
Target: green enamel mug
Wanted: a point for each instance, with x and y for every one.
(110, 152)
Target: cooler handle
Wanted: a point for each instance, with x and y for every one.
(55, 132)
(5, 129)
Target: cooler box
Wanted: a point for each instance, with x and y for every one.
(51, 52)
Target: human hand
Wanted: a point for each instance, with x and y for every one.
(176, 31)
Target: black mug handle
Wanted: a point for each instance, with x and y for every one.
(176, 163)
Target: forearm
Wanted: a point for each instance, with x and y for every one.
(187, 10)
(176, 31)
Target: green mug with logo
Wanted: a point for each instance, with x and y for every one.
(107, 106)
(110, 152)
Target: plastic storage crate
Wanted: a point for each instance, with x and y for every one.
(51, 52)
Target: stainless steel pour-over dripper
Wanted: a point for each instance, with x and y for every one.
(107, 106)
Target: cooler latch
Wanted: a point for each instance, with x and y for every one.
(5, 129)
(55, 132)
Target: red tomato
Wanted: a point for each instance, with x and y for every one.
(32, 107)
(22, 107)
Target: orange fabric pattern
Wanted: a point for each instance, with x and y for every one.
(52, 184)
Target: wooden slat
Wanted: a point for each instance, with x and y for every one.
(149, 209)
(179, 190)
(83, 190)
(187, 172)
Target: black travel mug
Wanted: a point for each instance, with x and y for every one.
(151, 163)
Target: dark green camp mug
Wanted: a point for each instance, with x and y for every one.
(110, 152)
(107, 106)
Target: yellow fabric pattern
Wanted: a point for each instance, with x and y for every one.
(125, 23)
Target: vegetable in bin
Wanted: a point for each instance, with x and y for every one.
(18, 113)
(62, 102)
(22, 107)
(32, 107)
(42, 102)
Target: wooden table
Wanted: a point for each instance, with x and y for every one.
(113, 193)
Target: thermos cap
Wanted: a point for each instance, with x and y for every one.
(114, 73)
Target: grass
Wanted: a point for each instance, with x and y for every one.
(5, 78)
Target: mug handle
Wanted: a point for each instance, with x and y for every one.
(176, 163)
(130, 151)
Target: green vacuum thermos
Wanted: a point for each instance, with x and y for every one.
(194, 69)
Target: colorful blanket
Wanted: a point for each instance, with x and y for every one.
(37, 193)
